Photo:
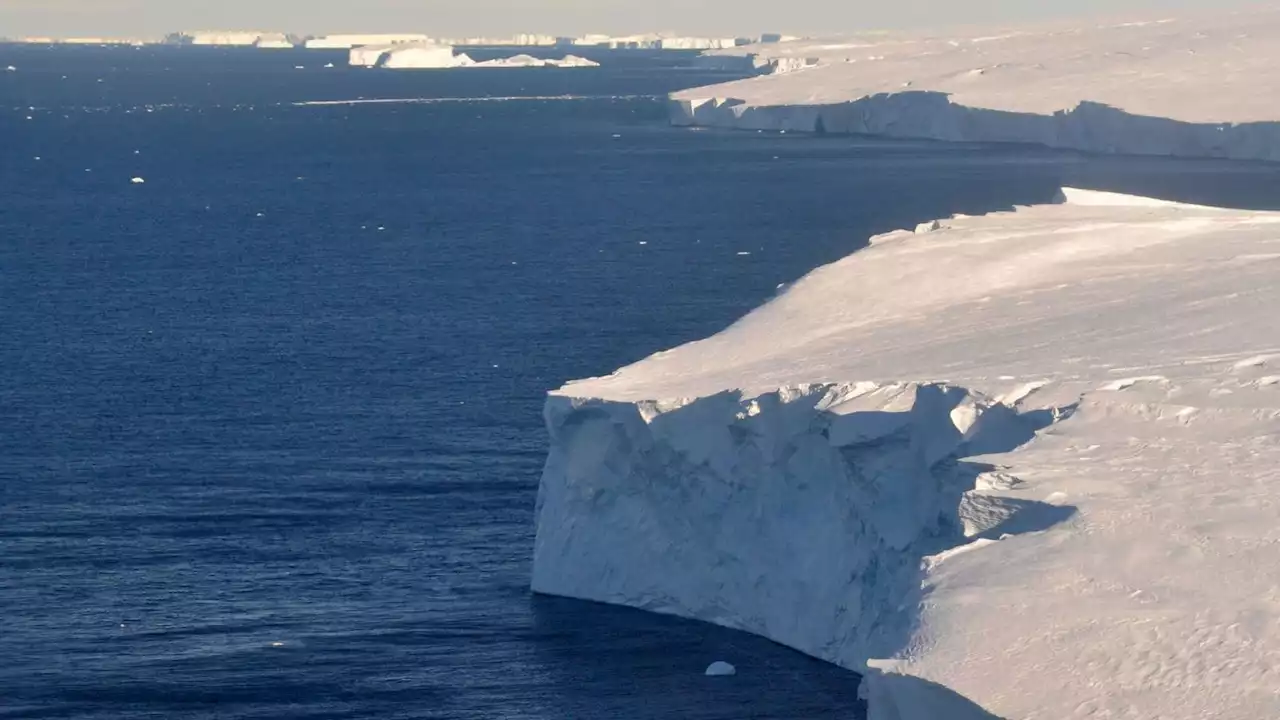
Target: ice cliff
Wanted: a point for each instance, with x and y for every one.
(1200, 86)
(990, 464)
(242, 38)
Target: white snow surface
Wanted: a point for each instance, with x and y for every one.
(1024, 465)
(423, 55)
(407, 55)
(1189, 86)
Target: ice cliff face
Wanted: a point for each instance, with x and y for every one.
(801, 514)
(989, 464)
(1193, 87)
(1089, 127)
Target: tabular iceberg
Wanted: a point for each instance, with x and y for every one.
(931, 462)
(346, 42)
(434, 55)
(240, 38)
(529, 61)
(1188, 87)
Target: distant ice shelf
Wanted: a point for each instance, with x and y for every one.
(1196, 86)
(348, 41)
(1021, 465)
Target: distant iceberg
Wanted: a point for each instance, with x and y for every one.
(659, 42)
(530, 61)
(235, 38)
(274, 41)
(346, 42)
(424, 55)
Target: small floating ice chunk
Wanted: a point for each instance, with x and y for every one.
(328, 65)
(299, 67)
(744, 252)
(11, 69)
(720, 668)
(277, 643)
(138, 181)
(644, 242)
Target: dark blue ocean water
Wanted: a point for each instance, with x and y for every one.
(270, 428)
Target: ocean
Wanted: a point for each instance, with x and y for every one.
(270, 419)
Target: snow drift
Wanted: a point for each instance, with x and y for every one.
(932, 462)
(1190, 87)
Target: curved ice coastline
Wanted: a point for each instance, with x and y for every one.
(1088, 127)
(1197, 87)
(932, 463)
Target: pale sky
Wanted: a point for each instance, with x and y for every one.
(561, 17)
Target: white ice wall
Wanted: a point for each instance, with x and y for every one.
(1196, 86)
(1089, 127)
(801, 514)
(989, 464)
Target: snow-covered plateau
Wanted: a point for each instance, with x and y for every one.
(1202, 86)
(1024, 465)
